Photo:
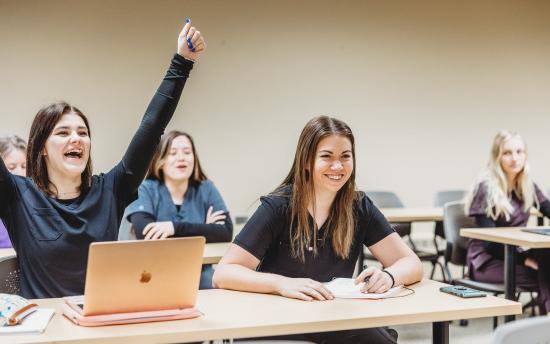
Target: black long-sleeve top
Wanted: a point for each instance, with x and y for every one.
(52, 237)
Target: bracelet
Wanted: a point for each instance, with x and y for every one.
(391, 276)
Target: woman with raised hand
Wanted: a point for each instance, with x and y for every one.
(12, 150)
(178, 200)
(503, 196)
(312, 228)
(61, 208)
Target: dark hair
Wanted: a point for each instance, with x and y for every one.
(42, 126)
(341, 218)
(155, 168)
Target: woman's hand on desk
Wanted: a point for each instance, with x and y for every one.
(303, 289)
(158, 230)
(378, 280)
(216, 217)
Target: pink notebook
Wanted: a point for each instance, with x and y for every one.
(72, 311)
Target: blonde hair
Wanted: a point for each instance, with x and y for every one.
(341, 220)
(496, 183)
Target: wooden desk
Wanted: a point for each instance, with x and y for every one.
(212, 252)
(413, 214)
(425, 214)
(230, 314)
(511, 237)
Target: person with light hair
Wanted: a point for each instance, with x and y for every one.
(12, 150)
(503, 196)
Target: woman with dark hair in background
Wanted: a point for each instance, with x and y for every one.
(12, 151)
(312, 228)
(178, 200)
(61, 208)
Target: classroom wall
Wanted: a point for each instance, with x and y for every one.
(425, 85)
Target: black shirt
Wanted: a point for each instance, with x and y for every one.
(267, 236)
(52, 237)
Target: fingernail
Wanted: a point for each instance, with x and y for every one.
(187, 19)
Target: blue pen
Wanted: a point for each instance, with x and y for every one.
(189, 43)
(366, 280)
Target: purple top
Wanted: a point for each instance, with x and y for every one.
(478, 253)
(4, 238)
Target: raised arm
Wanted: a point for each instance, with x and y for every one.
(160, 110)
(6, 187)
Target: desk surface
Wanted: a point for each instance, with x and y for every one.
(508, 235)
(212, 252)
(230, 314)
(413, 214)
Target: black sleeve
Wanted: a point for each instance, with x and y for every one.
(212, 232)
(494, 248)
(545, 208)
(136, 160)
(7, 187)
(372, 222)
(139, 221)
(264, 227)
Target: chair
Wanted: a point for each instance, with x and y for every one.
(126, 230)
(9, 275)
(531, 330)
(388, 199)
(454, 218)
(442, 197)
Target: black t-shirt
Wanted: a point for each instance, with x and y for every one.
(52, 237)
(267, 236)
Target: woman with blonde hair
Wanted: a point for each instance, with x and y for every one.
(503, 196)
(312, 228)
(12, 150)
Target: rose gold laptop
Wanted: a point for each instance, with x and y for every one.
(138, 276)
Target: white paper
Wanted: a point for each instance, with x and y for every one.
(345, 288)
(35, 322)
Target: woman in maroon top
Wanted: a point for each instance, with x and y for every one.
(503, 197)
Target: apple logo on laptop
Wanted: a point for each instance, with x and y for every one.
(145, 277)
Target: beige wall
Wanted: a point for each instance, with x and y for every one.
(424, 84)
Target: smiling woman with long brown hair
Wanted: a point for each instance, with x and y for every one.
(53, 215)
(312, 228)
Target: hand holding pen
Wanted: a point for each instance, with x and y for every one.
(376, 280)
(191, 43)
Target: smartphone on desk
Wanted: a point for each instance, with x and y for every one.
(460, 291)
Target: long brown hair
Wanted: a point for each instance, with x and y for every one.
(42, 126)
(155, 168)
(341, 218)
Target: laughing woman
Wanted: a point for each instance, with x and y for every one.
(178, 200)
(312, 229)
(53, 215)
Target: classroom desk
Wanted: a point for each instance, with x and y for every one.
(425, 214)
(511, 237)
(230, 314)
(212, 252)
(413, 214)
